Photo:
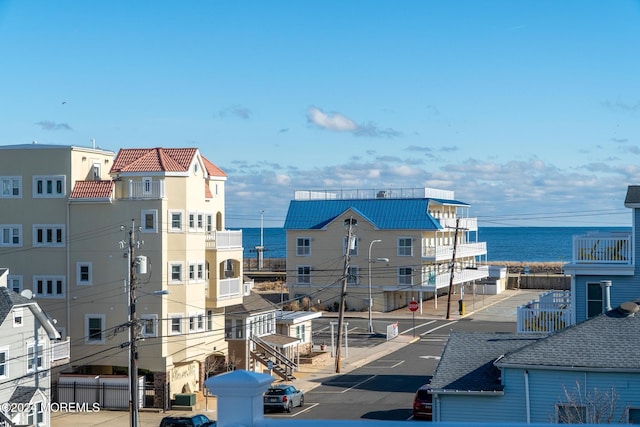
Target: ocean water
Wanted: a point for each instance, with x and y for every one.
(523, 244)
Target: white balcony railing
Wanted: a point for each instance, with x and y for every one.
(551, 313)
(230, 288)
(444, 252)
(467, 224)
(431, 282)
(228, 239)
(60, 350)
(603, 248)
(153, 189)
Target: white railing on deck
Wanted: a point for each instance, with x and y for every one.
(146, 189)
(446, 251)
(431, 282)
(224, 239)
(372, 193)
(603, 248)
(466, 224)
(60, 350)
(551, 313)
(230, 288)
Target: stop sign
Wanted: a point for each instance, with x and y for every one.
(413, 305)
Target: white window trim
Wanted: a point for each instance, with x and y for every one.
(209, 223)
(154, 322)
(298, 247)
(11, 228)
(192, 323)
(45, 178)
(37, 357)
(103, 319)
(173, 316)
(200, 268)
(191, 220)
(356, 280)
(143, 215)
(5, 351)
(79, 281)
(298, 275)
(44, 293)
(147, 186)
(404, 247)
(173, 281)
(44, 228)
(171, 227)
(11, 279)
(4, 179)
(404, 276)
(18, 317)
(200, 221)
(356, 245)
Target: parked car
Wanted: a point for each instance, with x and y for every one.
(283, 397)
(197, 420)
(422, 404)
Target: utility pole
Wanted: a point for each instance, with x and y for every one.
(133, 332)
(349, 223)
(453, 266)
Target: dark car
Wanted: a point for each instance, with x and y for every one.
(283, 397)
(422, 404)
(197, 420)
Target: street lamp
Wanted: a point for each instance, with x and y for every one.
(370, 261)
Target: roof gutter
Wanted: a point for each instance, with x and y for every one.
(568, 368)
(435, 393)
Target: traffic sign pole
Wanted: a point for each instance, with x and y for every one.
(413, 306)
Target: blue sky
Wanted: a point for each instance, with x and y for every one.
(528, 110)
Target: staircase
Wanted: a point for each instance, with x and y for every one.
(266, 354)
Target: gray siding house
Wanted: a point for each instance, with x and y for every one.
(586, 373)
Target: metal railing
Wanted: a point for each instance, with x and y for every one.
(444, 252)
(432, 282)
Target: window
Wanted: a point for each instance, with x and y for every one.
(35, 357)
(405, 276)
(49, 186)
(200, 223)
(304, 275)
(93, 328)
(10, 187)
(192, 221)
(18, 317)
(209, 223)
(149, 323)
(200, 272)
(176, 221)
(201, 322)
(36, 414)
(300, 332)
(353, 247)
(150, 221)
(4, 362)
(147, 186)
(84, 275)
(15, 283)
(405, 246)
(228, 268)
(571, 414)
(176, 273)
(594, 299)
(303, 246)
(48, 235)
(192, 273)
(192, 322)
(634, 415)
(176, 324)
(11, 235)
(49, 287)
(352, 275)
(95, 171)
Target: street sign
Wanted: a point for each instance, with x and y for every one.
(413, 305)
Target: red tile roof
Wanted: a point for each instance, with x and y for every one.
(153, 160)
(92, 190)
(212, 169)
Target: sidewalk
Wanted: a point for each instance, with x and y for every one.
(501, 307)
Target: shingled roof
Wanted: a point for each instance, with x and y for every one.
(159, 160)
(467, 362)
(252, 304)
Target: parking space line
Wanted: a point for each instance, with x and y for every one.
(438, 327)
(384, 364)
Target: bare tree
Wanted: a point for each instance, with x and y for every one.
(581, 406)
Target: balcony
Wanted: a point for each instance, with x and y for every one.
(431, 282)
(230, 239)
(442, 253)
(603, 248)
(551, 313)
(147, 189)
(466, 224)
(224, 289)
(60, 352)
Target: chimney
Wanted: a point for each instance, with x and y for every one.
(606, 295)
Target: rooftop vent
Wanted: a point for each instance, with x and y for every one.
(628, 308)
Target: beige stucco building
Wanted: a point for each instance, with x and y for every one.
(76, 219)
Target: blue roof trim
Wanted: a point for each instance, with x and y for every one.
(386, 214)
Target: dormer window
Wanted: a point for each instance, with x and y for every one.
(18, 317)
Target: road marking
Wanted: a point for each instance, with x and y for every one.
(357, 384)
(417, 326)
(430, 357)
(438, 327)
(385, 364)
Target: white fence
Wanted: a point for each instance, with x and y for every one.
(551, 313)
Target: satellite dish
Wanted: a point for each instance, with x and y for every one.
(27, 293)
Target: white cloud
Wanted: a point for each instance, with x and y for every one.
(335, 121)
